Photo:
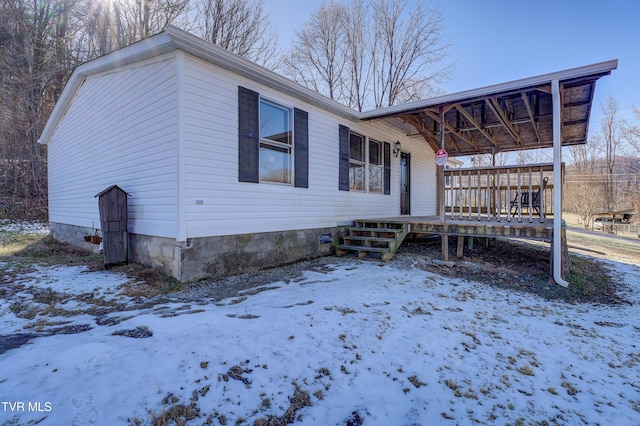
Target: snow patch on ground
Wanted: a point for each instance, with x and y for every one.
(27, 227)
(75, 280)
(362, 340)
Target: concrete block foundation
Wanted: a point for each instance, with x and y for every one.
(74, 235)
(216, 257)
(235, 254)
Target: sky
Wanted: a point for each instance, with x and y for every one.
(497, 41)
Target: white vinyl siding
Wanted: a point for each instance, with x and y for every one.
(120, 129)
(123, 127)
(217, 204)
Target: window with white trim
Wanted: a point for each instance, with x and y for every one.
(357, 162)
(366, 164)
(375, 166)
(276, 141)
(363, 164)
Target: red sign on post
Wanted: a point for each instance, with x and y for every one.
(441, 157)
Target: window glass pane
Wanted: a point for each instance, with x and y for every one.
(375, 156)
(275, 163)
(356, 177)
(356, 147)
(375, 179)
(275, 122)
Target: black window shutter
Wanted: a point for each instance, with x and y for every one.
(387, 168)
(248, 135)
(301, 148)
(343, 171)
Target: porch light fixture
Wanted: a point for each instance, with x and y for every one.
(396, 150)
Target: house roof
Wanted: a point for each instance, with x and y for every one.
(504, 117)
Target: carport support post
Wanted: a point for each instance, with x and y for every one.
(445, 237)
(557, 251)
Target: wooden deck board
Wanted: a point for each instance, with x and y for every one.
(535, 230)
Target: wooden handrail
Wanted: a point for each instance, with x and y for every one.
(490, 193)
(547, 167)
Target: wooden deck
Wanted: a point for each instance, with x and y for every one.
(379, 238)
(536, 230)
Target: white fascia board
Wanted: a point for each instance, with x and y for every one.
(584, 71)
(73, 84)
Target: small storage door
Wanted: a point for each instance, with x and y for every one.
(113, 222)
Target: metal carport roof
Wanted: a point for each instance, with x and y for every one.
(505, 117)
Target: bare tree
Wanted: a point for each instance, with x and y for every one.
(409, 48)
(138, 19)
(371, 53)
(611, 132)
(490, 160)
(632, 132)
(357, 35)
(33, 67)
(317, 58)
(108, 26)
(584, 199)
(239, 26)
(584, 185)
(42, 41)
(533, 156)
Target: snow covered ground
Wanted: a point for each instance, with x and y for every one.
(346, 343)
(38, 228)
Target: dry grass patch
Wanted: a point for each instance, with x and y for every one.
(453, 385)
(522, 266)
(13, 242)
(297, 402)
(571, 390)
(145, 281)
(47, 251)
(31, 250)
(416, 382)
(420, 311)
(526, 370)
(178, 414)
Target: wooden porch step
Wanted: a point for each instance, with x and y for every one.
(374, 225)
(378, 230)
(369, 239)
(363, 248)
(364, 252)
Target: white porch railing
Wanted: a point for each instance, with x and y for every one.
(502, 193)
